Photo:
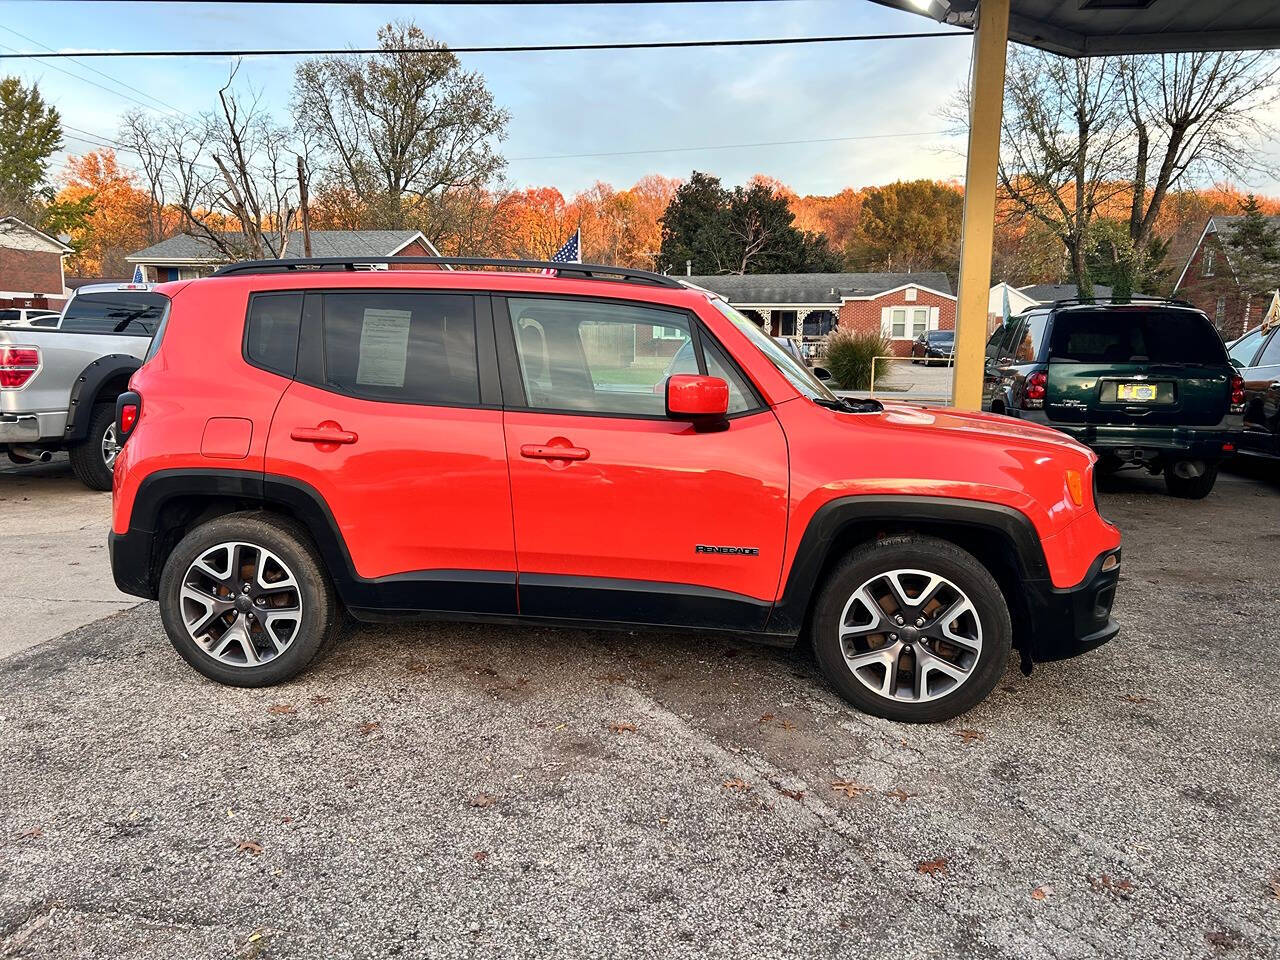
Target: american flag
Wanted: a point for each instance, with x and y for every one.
(571, 252)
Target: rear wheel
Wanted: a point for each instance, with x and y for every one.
(912, 628)
(246, 601)
(1190, 479)
(93, 458)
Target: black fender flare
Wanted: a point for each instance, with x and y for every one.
(1014, 528)
(85, 391)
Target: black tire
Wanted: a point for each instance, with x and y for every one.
(933, 556)
(87, 461)
(1181, 478)
(290, 542)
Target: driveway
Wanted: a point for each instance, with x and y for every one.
(55, 574)
(478, 791)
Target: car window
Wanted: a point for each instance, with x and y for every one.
(1271, 352)
(1013, 335)
(1135, 336)
(1246, 348)
(271, 340)
(10, 316)
(1030, 338)
(131, 313)
(401, 347)
(47, 321)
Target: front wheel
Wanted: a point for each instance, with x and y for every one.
(1190, 479)
(245, 599)
(912, 628)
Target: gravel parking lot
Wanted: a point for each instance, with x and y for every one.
(475, 791)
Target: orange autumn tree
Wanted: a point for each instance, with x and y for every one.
(118, 224)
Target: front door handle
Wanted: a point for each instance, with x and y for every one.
(325, 433)
(546, 451)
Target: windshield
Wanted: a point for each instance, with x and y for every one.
(130, 312)
(791, 368)
(1135, 336)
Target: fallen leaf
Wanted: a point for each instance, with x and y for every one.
(249, 847)
(971, 736)
(786, 724)
(796, 795)
(765, 718)
(1106, 882)
(367, 728)
(736, 783)
(320, 700)
(1041, 892)
(1134, 698)
(286, 819)
(482, 800)
(849, 788)
(32, 833)
(622, 727)
(480, 856)
(932, 868)
(900, 795)
(282, 708)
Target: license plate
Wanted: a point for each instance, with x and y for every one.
(1136, 391)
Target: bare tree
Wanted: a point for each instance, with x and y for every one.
(142, 134)
(400, 129)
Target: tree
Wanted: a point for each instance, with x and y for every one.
(1253, 249)
(743, 230)
(30, 132)
(400, 129)
(908, 226)
(116, 222)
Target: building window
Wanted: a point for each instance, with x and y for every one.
(898, 324)
(670, 333)
(911, 294)
(1209, 254)
(1220, 311)
(919, 321)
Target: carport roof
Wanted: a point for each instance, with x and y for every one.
(1088, 28)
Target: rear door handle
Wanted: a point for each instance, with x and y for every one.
(322, 435)
(542, 451)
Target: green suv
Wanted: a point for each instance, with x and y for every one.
(1144, 383)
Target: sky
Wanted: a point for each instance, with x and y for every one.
(576, 103)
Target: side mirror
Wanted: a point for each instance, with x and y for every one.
(822, 373)
(700, 400)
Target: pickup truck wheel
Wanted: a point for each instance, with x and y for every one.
(1190, 479)
(246, 601)
(912, 628)
(93, 458)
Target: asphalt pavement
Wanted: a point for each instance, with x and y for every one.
(478, 791)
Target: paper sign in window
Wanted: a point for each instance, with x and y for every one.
(384, 348)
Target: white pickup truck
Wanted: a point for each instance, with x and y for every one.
(58, 384)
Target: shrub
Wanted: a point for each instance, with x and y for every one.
(850, 355)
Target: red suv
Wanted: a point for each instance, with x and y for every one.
(595, 446)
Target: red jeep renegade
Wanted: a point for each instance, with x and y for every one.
(601, 447)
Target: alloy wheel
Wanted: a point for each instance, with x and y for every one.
(910, 635)
(110, 446)
(241, 604)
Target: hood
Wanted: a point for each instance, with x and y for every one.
(983, 427)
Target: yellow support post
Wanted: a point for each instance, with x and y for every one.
(986, 104)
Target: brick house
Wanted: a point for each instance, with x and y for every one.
(185, 256)
(31, 266)
(1209, 282)
(807, 306)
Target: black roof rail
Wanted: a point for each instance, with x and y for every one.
(589, 271)
(1137, 298)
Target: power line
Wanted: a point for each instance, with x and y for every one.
(731, 146)
(511, 48)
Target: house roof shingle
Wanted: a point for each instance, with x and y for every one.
(324, 243)
(1049, 292)
(788, 288)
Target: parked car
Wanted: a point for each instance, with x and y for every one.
(934, 346)
(1146, 384)
(822, 373)
(58, 385)
(28, 317)
(502, 445)
(1257, 356)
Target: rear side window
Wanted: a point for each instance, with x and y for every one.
(1271, 353)
(271, 340)
(1136, 336)
(402, 347)
(130, 313)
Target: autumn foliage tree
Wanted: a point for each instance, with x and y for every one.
(117, 223)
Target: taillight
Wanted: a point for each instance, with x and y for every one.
(1033, 395)
(128, 409)
(1237, 393)
(17, 366)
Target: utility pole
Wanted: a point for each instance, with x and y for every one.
(306, 207)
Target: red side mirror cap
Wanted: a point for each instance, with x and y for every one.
(697, 398)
